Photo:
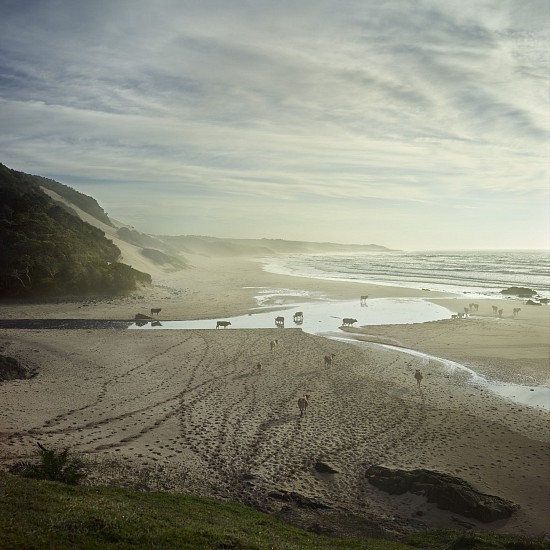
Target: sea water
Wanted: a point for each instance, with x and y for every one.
(476, 272)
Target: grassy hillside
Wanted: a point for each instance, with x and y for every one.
(48, 251)
(45, 514)
(212, 246)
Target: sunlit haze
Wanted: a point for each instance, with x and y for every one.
(412, 125)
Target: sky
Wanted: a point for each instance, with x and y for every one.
(412, 125)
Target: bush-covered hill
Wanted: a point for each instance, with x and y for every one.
(84, 202)
(45, 250)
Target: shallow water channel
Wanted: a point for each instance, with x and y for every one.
(322, 317)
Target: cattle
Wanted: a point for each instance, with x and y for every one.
(223, 324)
(500, 312)
(298, 317)
(495, 309)
(364, 300)
(418, 376)
(516, 311)
(328, 360)
(156, 310)
(273, 344)
(280, 321)
(303, 403)
(347, 322)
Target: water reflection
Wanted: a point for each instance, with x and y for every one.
(325, 315)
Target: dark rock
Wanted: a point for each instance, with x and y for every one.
(324, 468)
(322, 530)
(12, 369)
(298, 500)
(448, 492)
(141, 316)
(520, 291)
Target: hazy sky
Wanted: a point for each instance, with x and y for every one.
(407, 124)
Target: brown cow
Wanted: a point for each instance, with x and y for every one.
(303, 403)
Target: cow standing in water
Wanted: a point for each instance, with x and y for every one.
(303, 402)
(223, 324)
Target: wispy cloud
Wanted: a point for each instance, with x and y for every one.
(322, 108)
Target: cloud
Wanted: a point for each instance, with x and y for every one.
(256, 105)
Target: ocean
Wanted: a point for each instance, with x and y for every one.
(486, 273)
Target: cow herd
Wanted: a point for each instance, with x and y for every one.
(475, 308)
(298, 319)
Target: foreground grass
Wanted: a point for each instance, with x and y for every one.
(47, 515)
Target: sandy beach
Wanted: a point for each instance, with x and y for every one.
(189, 410)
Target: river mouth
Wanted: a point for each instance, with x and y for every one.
(320, 317)
(64, 324)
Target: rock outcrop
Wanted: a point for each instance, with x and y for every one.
(12, 369)
(448, 492)
(520, 291)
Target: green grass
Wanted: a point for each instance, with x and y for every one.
(47, 515)
(44, 515)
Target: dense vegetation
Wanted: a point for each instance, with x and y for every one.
(48, 251)
(46, 514)
(160, 258)
(84, 202)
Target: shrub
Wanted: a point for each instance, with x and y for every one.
(52, 466)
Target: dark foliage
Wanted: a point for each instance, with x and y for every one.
(52, 465)
(48, 251)
(84, 202)
(160, 258)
